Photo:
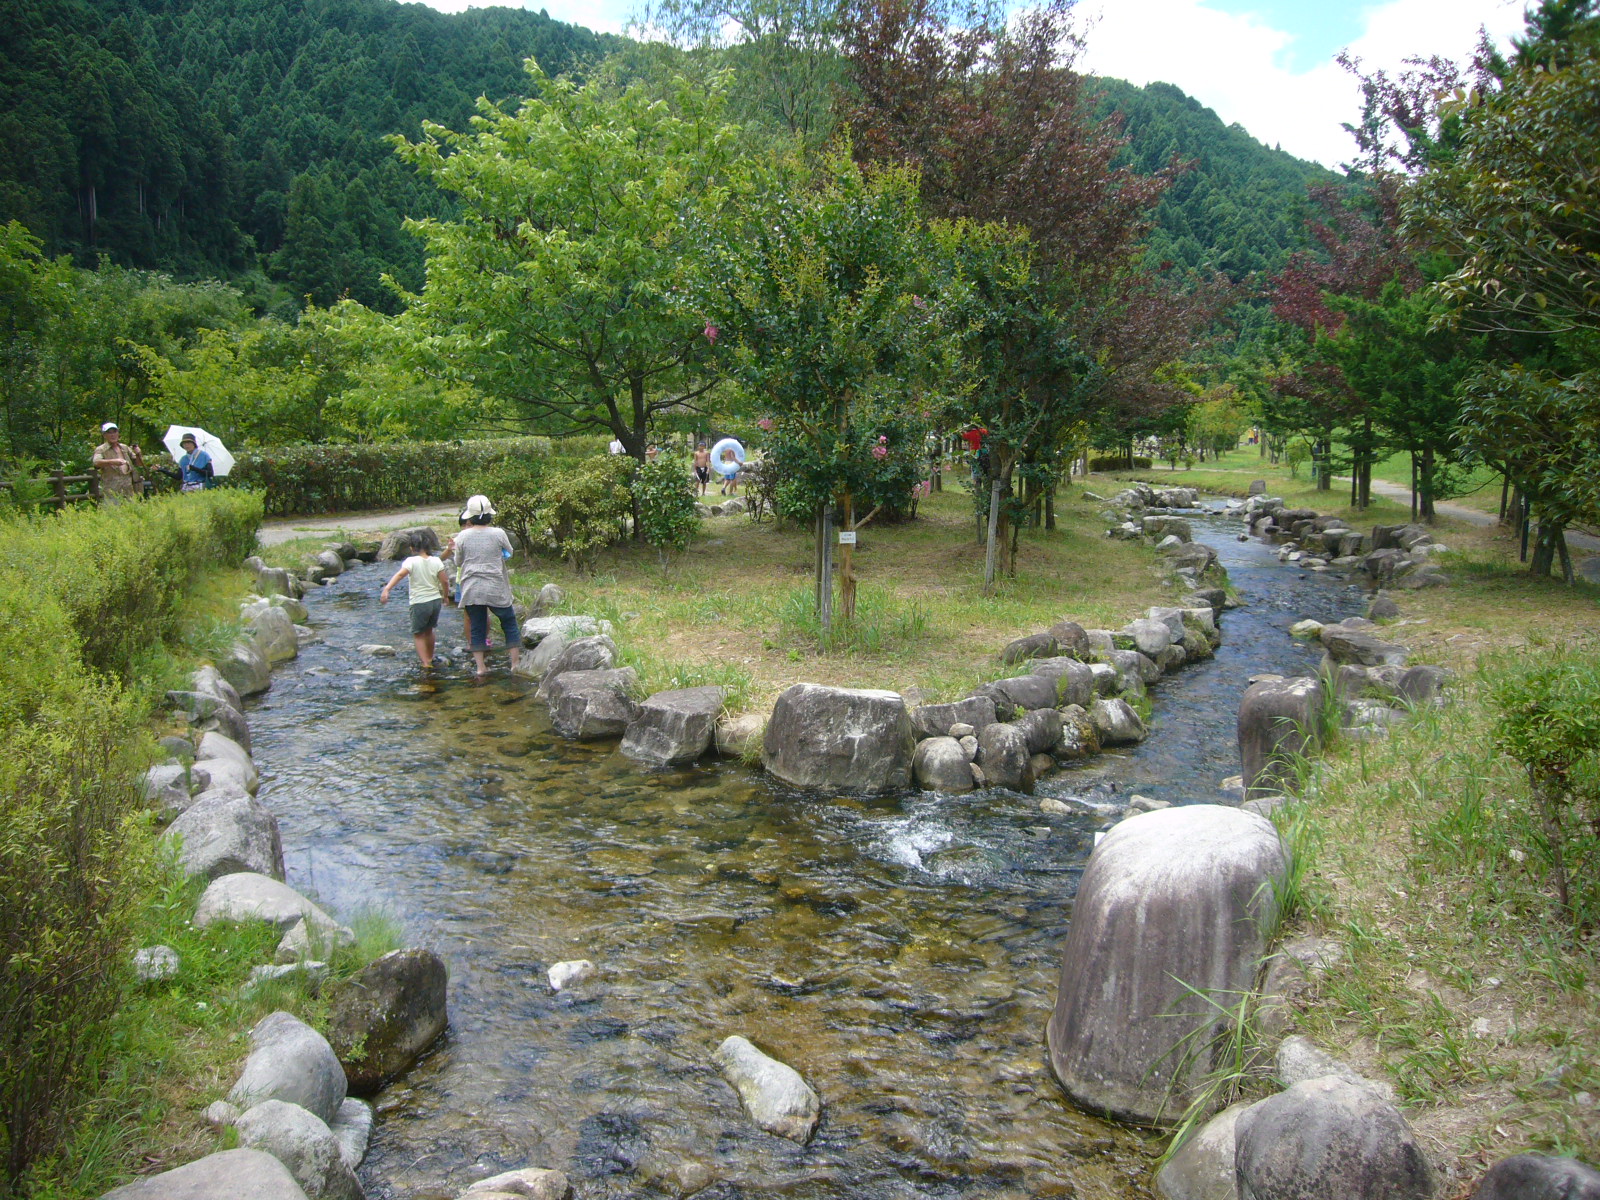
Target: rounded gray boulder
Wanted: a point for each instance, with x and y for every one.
(384, 1017)
(1172, 903)
(856, 739)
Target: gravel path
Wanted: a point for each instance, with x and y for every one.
(289, 528)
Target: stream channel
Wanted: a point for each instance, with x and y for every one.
(900, 952)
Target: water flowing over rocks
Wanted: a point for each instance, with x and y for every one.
(1397, 554)
(385, 1016)
(1328, 1138)
(290, 1061)
(847, 738)
(302, 1142)
(773, 1094)
(234, 1174)
(1183, 896)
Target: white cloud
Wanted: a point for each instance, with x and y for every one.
(1236, 64)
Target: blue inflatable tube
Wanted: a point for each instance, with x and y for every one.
(727, 469)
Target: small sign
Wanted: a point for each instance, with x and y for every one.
(847, 537)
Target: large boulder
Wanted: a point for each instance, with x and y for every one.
(246, 668)
(276, 579)
(587, 705)
(934, 720)
(209, 712)
(1004, 756)
(1041, 729)
(1328, 1137)
(224, 835)
(290, 1061)
(773, 1093)
(537, 629)
(675, 726)
(1151, 637)
(1035, 645)
(399, 543)
(596, 653)
(301, 1141)
(234, 1174)
(216, 746)
(1072, 638)
(847, 738)
(1202, 1168)
(1165, 527)
(1074, 679)
(272, 629)
(1278, 720)
(527, 1183)
(939, 764)
(1345, 645)
(1116, 724)
(383, 1017)
(208, 681)
(1079, 738)
(247, 896)
(1170, 922)
(1021, 692)
(1539, 1177)
(330, 562)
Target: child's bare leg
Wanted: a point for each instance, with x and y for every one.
(424, 651)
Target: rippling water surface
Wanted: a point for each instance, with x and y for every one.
(900, 952)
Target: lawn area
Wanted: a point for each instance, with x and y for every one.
(736, 609)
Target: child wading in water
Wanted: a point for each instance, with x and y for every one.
(430, 589)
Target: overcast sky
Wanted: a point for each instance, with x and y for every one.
(1265, 64)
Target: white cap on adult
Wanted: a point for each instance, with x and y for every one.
(108, 427)
(477, 506)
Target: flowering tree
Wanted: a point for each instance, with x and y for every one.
(822, 319)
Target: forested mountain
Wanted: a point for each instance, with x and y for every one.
(206, 138)
(1241, 207)
(242, 138)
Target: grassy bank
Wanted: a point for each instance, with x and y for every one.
(104, 1077)
(1457, 977)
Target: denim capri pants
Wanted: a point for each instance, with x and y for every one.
(478, 620)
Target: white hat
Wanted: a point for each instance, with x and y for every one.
(108, 427)
(477, 506)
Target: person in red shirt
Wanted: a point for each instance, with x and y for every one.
(974, 438)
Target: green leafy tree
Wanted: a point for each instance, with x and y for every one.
(559, 287)
(823, 320)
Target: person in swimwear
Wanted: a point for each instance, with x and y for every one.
(702, 468)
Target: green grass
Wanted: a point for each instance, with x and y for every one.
(1427, 870)
(736, 608)
(177, 1045)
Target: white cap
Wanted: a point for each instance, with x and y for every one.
(108, 427)
(477, 506)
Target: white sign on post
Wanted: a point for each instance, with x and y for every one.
(847, 537)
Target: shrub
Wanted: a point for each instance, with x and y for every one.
(665, 503)
(1549, 722)
(349, 478)
(583, 508)
(1115, 462)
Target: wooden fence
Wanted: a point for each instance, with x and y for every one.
(58, 482)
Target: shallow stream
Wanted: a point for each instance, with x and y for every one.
(901, 953)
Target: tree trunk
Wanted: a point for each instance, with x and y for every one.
(824, 565)
(847, 554)
(994, 529)
(1426, 477)
(1413, 485)
(1050, 509)
(1505, 492)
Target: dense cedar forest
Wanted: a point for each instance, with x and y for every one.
(244, 139)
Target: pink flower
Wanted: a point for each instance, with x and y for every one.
(883, 439)
(764, 423)
(711, 333)
(919, 302)
(880, 452)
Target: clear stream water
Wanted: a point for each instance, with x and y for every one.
(900, 952)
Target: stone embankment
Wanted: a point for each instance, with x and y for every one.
(1398, 556)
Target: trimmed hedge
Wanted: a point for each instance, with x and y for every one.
(1122, 463)
(303, 480)
(84, 598)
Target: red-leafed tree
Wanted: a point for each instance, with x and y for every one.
(1003, 129)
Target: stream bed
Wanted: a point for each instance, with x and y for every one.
(900, 952)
